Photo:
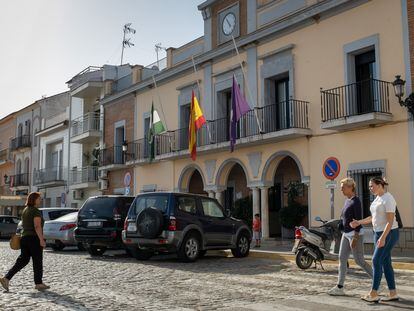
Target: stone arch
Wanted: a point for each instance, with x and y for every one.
(272, 164)
(224, 171)
(185, 177)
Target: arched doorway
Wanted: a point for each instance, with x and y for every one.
(192, 180)
(237, 198)
(196, 184)
(286, 181)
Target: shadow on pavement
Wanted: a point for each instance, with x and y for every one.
(61, 300)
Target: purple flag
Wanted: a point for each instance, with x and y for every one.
(239, 107)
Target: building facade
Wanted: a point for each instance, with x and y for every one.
(51, 140)
(318, 85)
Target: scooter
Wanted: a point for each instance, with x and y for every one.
(314, 246)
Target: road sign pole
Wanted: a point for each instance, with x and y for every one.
(332, 203)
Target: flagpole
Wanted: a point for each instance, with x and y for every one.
(247, 84)
(159, 99)
(199, 89)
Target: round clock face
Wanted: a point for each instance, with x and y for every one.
(229, 23)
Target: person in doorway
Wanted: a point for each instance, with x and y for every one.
(256, 230)
(386, 235)
(352, 240)
(32, 243)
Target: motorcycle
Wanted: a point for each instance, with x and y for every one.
(314, 246)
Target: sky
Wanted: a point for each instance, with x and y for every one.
(43, 43)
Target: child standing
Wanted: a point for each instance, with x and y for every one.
(256, 229)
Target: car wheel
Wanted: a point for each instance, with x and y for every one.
(189, 249)
(242, 248)
(81, 247)
(58, 246)
(150, 223)
(140, 254)
(96, 250)
(303, 260)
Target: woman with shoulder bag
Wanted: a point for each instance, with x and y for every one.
(386, 235)
(352, 240)
(32, 243)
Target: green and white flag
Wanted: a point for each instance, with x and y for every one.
(156, 127)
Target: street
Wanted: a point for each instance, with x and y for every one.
(118, 282)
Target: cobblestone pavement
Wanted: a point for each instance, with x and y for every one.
(117, 282)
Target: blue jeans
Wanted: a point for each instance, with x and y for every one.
(381, 261)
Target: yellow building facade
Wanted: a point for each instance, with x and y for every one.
(317, 75)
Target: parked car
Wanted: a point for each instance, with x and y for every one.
(185, 224)
(58, 233)
(50, 213)
(8, 225)
(100, 223)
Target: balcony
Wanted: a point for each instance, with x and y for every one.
(4, 156)
(86, 128)
(112, 158)
(278, 122)
(20, 142)
(85, 177)
(87, 83)
(19, 180)
(355, 105)
(50, 177)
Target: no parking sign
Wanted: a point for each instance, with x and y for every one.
(331, 168)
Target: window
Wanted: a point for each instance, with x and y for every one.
(188, 205)
(211, 209)
(362, 178)
(157, 201)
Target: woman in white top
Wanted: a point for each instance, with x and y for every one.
(386, 235)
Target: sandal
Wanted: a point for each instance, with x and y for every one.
(369, 298)
(390, 298)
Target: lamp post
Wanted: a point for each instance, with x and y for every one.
(399, 92)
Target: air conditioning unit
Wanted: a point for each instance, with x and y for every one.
(77, 194)
(103, 174)
(103, 184)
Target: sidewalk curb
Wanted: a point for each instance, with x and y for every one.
(291, 258)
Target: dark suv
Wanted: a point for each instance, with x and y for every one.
(100, 222)
(186, 224)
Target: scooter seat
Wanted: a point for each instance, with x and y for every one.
(322, 235)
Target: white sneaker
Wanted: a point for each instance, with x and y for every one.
(336, 291)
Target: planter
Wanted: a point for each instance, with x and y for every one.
(288, 233)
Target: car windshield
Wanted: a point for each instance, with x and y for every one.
(159, 201)
(69, 217)
(105, 206)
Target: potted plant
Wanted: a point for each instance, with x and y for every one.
(292, 215)
(243, 210)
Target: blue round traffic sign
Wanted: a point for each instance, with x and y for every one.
(331, 168)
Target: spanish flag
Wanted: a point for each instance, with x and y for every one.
(196, 122)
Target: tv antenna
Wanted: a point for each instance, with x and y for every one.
(158, 48)
(126, 42)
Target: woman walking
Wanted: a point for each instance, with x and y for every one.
(32, 243)
(352, 241)
(386, 235)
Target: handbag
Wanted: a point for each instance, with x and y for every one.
(15, 242)
(398, 218)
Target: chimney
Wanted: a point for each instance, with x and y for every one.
(137, 74)
(170, 52)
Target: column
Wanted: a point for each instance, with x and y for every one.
(265, 211)
(256, 200)
(220, 197)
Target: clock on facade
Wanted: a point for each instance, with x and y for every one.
(229, 23)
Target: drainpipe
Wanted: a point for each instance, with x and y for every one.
(69, 144)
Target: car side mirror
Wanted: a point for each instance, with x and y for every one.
(227, 213)
(317, 218)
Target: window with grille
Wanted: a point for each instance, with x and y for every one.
(362, 178)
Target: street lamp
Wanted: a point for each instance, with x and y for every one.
(399, 92)
(124, 147)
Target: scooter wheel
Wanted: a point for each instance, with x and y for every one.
(303, 260)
